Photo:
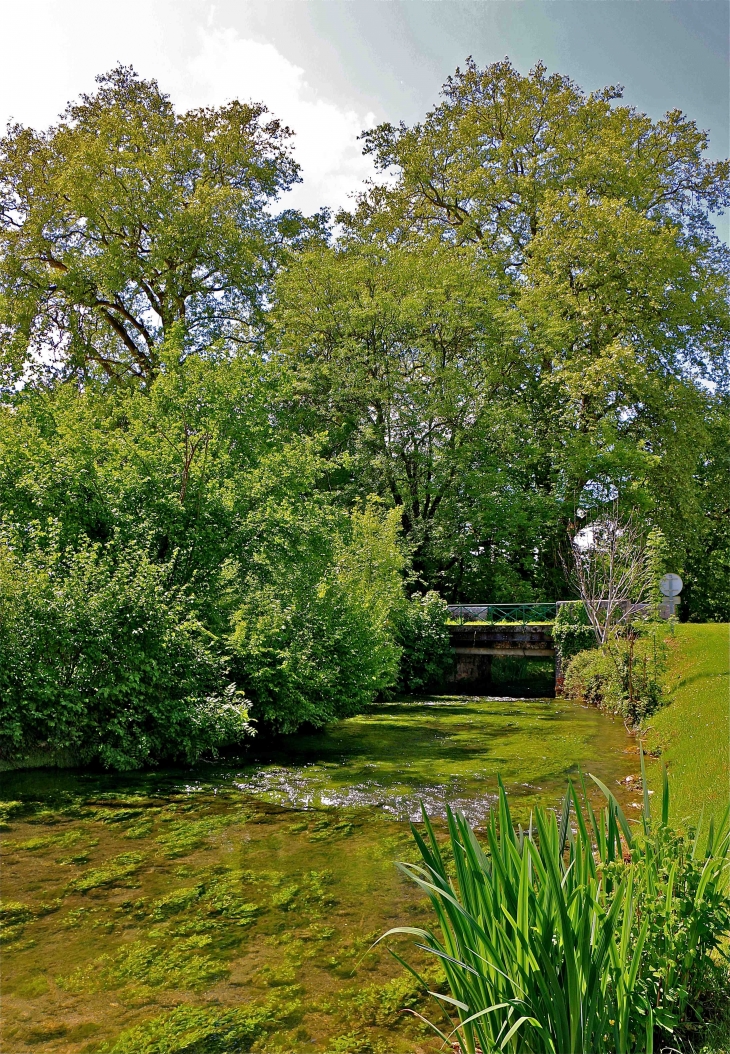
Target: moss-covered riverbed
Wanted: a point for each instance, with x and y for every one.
(231, 908)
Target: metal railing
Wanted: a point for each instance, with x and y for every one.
(513, 613)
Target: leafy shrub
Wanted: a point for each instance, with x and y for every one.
(558, 940)
(99, 657)
(623, 678)
(421, 631)
(682, 894)
(315, 642)
(572, 631)
(591, 676)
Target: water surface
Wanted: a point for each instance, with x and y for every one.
(230, 907)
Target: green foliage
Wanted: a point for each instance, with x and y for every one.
(624, 677)
(421, 630)
(201, 399)
(705, 566)
(99, 656)
(514, 325)
(127, 221)
(572, 631)
(152, 527)
(387, 347)
(550, 945)
(655, 559)
(313, 639)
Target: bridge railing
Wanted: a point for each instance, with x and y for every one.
(491, 613)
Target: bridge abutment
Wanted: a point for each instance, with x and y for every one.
(475, 646)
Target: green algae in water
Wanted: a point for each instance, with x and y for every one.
(198, 1030)
(244, 879)
(185, 836)
(120, 871)
(46, 841)
(180, 965)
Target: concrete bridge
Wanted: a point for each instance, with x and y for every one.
(485, 630)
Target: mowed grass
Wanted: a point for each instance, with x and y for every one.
(693, 731)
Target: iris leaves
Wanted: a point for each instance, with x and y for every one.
(577, 935)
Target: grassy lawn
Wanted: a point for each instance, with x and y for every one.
(693, 731)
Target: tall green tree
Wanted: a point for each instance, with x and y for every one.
(398, 352)
(126, 221)
(482, 164)
(590, 296)
(704, 560)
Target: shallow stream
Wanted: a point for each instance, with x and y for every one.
(231, 907)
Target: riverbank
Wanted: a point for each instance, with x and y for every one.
(693, 731)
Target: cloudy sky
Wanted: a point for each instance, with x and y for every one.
(330, 68)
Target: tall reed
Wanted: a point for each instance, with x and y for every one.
(574, 937)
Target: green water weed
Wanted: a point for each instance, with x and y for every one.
(118, 815)
(217, 911)
(186, 871)
(185, 836)
(14, 915)
(78, 859)
(285, 898)
(77, 917)
(298, 827)
(119, 871)
(383, 1004)
(13, 911)
(280, 976)
(311, 891)
(29, 986)
(46, 817)
(199, 1030)
(357, 1043)
(46, 841)
(11, 934)
(176, 901)
(9, 810)
(176, 965)
(140, 830)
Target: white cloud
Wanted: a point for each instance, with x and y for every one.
(228, 66)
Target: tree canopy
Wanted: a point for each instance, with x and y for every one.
(127, 219)
(567, 302)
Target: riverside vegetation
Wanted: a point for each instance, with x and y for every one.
(246, 456)
(235, 441)
(549, 944)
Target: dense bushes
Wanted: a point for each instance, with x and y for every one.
(572, 631)
(624, 677)
(313, 637)
(99, 657)
(581, 936)
(172, 553)
(421, 630)
(170, 548)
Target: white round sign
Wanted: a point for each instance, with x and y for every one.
(671, 585)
